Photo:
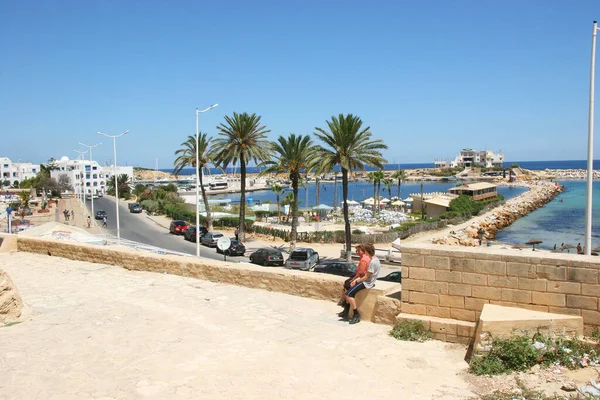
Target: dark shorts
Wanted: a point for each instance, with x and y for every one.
(357, 288)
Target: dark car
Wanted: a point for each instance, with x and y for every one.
(135, 208)
(101, 214)
(210, 239)
(341, 268)
(395, 276)
(267, 256)
(190, 233)
(235, 249)
(178, 227)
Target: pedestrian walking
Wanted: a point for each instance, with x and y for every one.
(73, 214)
(104, 224)
(237, 234)
(89, 221)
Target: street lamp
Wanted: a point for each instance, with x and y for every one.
(590, 164)
(114, 137)
(80, 194)
(198, 182)
(91, 176)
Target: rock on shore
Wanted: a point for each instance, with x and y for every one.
(11, 304)
(539, 194)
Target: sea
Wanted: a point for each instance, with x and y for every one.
(560, 221)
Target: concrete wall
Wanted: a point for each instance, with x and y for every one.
(446, 282)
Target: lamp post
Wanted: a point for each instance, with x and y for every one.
(198, 181)
(590, 164)
(91, 176)
(114, 137)
(80, 191)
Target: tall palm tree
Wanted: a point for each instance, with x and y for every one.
(241, 138)
(288, 200)
(291, 155)
(373, 178)
(278, 190)
(379, 176)
(400, 175)
(186, 156)
(388, 183)
(351, 147)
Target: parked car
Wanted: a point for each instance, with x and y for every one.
(267, 256)
(190, 233)
(235, 249)
(210, 239)
(178, 227)
(302, 258)
(134, 207)
(395, 276)
(341, 268)
(101, 214)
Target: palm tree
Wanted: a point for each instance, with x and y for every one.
(378, 176)
(400, 175)
(351, 147)
(241, 138)
(288, 200)
(278, 190)
(123, 182)
(373, 178)
(186, 156)
(291, 155)
(387, 184)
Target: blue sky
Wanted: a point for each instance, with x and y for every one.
(429, 78)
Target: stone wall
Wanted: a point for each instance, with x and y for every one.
(299, 283)
(447, 282)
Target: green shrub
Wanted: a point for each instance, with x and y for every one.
(465, 206)
(411, 330)
(356, 232)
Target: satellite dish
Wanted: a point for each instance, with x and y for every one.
(223, 243)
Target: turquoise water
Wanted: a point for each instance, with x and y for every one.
(558, 221)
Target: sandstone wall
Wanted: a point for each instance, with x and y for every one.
(11, 304)
(446, 282)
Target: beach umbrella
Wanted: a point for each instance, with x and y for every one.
(370, 201)
(323, 207)
(533, 242)
(352, 202)
(384, 200)
(398, 203)
(519, 246)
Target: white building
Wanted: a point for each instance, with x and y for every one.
(473, 158)
(12, 172)
(83, 174)
(110, 171)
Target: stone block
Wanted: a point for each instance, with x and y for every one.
(419, 309)
(590, 317)
(425, 274)
(424, 298)
(443, 327)
(405, 271)
(439, 336)
(592, 263)
(521, 269)
(583, 275)
(436, 287)
(463, 315)
(436, 262)
(458, 339)
(386, 310)
(564, 310)
(504, 303)
(452, 301)
(552, 273)
(511, 282)
(588, 289)
(475, 304)
(447, 276)
(459, 289)
(549, 299)
(412, 260)
(462, 264)
(474, 279)
(534, 307)
(413, 284)
(465, 330)
(440, 312)
(564, 287)
(583, 302)
(491, 267)
(516, 295)
(410, 317)
(490, 293)
(405, 295)
(537, 285)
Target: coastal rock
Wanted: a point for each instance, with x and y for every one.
(11, 304)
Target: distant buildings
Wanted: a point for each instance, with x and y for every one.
(14, 172)
(473, 158)
(478, 191)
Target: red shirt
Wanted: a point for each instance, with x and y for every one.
(363, 264)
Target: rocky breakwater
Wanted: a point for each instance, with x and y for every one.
(560, 174)
(11, 304)
(539, 194)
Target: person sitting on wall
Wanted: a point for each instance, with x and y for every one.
(365, 282)
(361, 270)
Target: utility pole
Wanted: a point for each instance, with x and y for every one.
(422, 203)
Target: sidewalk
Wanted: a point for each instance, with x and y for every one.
(80, 220)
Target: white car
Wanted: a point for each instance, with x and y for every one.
(302, 258)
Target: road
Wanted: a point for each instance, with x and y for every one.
(138, 228)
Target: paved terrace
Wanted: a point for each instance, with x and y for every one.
(95, 331)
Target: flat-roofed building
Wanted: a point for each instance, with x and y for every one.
(437, 206)
(12, 173)
(479, 191)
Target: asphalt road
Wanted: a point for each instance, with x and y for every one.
(138, 228)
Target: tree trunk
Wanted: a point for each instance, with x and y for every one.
(209, 221)
(399, 183)
(318, 189)
(374, 196)
(294, 233)
(278, 210)
(378, 196)
(242, 222)
(346, 216)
